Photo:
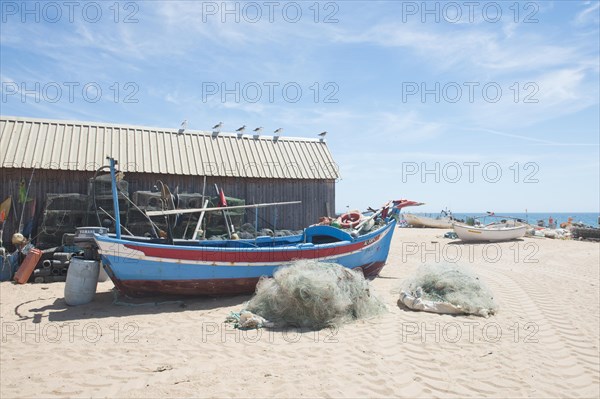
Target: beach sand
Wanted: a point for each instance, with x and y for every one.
(543, 342)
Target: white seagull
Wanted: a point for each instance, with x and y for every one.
(278, 131)
(241, 130)
(218, 126)
(258, 130)
(322, 135)
(182, 127)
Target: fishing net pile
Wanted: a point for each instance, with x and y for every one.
(450, 289)
(248, 232)
(314, 295)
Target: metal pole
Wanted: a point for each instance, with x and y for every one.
(256, 219)
(115, 196)
(113, 219)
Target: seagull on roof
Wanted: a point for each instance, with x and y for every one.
(258, 130)
(241, 129)
(322, 135)
(278, 132)
(182, 127)
(218, 126)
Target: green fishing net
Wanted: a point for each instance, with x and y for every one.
(453, 284)
(314, 295)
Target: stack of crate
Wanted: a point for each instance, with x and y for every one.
(62, 214)
(186, 223)
(138, 223)
(215, 223)
(102, 190)
(152, 201)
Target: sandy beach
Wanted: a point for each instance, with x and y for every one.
(543, 342)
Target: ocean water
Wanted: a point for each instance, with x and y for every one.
(587, 218)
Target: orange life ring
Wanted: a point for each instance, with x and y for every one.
(349, 220)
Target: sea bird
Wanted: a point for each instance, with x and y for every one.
(258, 130)
(182, 127)
(277, 133)
(322, 135)
(218, 126)
(240, 131)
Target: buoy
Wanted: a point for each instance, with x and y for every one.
(19, 239)
(349, 220)
(82, 279)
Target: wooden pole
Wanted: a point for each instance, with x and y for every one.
(25, 201)
(199, 224)
(361, 224)
(224, 214)
(214, 209)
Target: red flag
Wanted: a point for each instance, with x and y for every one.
(403, 203)
(222, 200)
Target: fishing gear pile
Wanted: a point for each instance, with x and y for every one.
(448, 289)
(314, 295)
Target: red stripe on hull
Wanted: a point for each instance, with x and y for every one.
(216, 287)
(250, 256)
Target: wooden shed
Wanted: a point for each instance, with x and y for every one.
(64, 155)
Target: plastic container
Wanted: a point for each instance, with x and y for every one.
(82, 279)
(102, 276)
(26, 269)
(5, 269)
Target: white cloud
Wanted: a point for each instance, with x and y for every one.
(471, 47)
(589, 15)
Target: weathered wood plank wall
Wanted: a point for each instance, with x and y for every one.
(317, 196)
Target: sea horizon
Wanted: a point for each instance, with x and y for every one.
(588, 218)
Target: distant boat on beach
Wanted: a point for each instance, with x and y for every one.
(493, 232)
(443, 221)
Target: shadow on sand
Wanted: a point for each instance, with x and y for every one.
(112, 304)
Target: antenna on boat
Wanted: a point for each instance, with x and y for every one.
(113, 180)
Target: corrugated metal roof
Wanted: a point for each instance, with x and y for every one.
(73, 145)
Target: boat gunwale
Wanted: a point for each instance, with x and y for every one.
(485, 228)
(200, 248)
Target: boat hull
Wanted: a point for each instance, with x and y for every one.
(215, 287)
(474, 234)
(141, 269)
(423, 221)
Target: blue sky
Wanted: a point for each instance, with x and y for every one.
(473, 106)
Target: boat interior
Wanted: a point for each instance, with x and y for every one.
(314, 235)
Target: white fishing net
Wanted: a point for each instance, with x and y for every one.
(314, 295)
(448, 288)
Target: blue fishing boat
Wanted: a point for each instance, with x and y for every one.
(141, 266)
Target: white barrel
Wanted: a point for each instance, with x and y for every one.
(82, 279)
(102, 276)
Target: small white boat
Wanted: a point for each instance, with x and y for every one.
(444, 222)
(491, 233)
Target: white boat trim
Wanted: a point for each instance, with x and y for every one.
(490, 233)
